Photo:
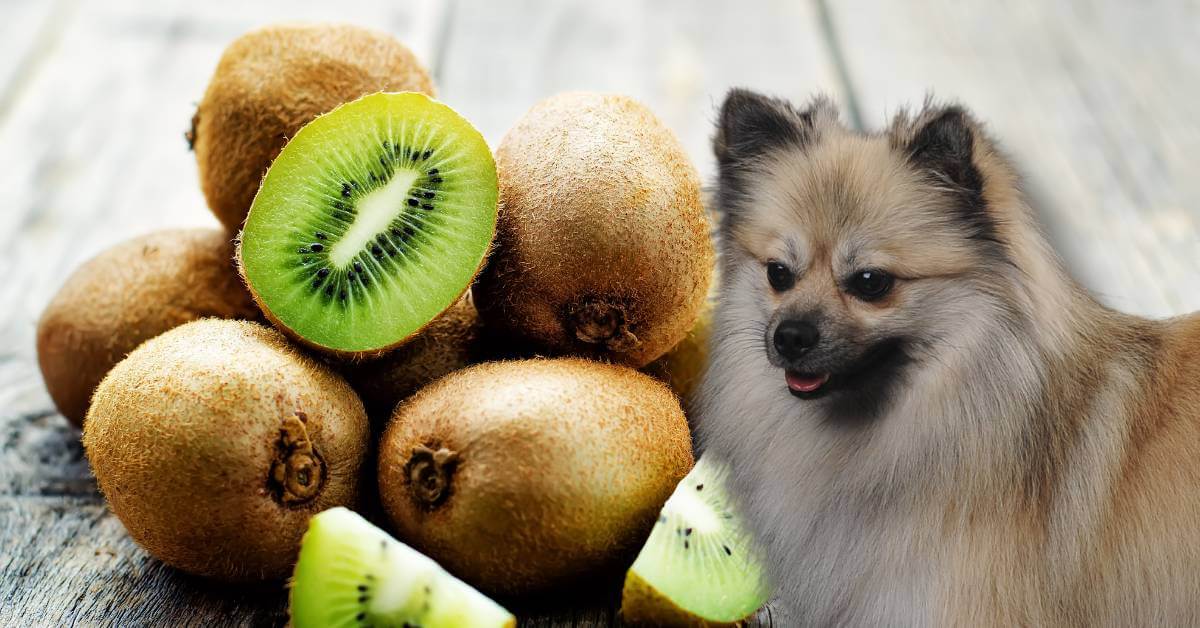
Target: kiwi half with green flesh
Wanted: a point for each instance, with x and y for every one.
(603, 246)
(525, 476)
(700, 567)
(272, 81)
(373, 220)
(215, 442)
(127, 295)
(351, 573)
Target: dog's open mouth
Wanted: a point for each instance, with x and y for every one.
(882, 361)
(805, 385)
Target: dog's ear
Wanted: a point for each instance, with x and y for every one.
(944, 145)
(750, 124)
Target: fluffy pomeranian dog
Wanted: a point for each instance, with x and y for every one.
(928, 422)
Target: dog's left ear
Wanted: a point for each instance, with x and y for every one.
(752, 124)
(944, 145)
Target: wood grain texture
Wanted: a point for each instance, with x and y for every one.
(1096, 101)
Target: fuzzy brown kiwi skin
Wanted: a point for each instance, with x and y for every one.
(602, 246)
(452, 341)
(216, 442)
(527, 476)
(128, 294)
(274, 80)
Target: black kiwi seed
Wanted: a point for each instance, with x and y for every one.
(329, 290)
(687, 532)
(343, 295)
(433, 171)
(358, 266)
(728, 552)
(395, 231)
(324, 272)
(346, 190)
(435, 180)
(349, 274)
(362, 587)
(699, 487)
(319, 235)
(428, 195)
(685, 545)
(426, 155)
(316, 283)
(316, 247)
(427, 207)
(412, 202)
(360, 616)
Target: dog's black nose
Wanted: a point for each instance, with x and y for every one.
(793, 338)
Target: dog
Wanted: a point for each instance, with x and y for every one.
(927, 422)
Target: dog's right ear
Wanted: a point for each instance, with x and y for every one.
(751, 124)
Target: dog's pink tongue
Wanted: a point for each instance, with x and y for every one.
(805, 383)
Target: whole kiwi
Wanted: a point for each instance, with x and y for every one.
(602, 246)
(215, 442)
(128, 294)
(523, 476)
(682, 368)
(274, 80)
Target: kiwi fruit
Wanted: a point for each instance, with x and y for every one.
(128, 294)
(525, 476)
(452, 341)
(602, 247)
(700, 567)
(274, 80)
(351, 573)
(374, 219)
(682, 368)
(215, 442)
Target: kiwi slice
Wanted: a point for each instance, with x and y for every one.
(373, 219)
(351, 573)
(699, 566)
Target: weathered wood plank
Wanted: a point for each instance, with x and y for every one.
(1102, 121)
(677, 56)
(66, 561)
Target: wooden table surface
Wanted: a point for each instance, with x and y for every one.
(1096, 100)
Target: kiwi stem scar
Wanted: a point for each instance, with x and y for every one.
(298, 472)
(429, 473)
(376, 211)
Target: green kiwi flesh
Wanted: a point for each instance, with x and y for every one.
(351, 573)
(699, 566)
(373, 220)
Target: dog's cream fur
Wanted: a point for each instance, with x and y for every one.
(1038, 461)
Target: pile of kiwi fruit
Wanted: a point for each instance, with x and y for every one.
(488, 354)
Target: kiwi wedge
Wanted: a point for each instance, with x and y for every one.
(373, 220)
(699, 567)
(351, 573)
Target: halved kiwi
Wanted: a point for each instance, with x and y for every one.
(374, 219)
(351, 573)
(699, 567)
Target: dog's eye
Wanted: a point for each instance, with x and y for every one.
(869, 285)
(780, 277)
